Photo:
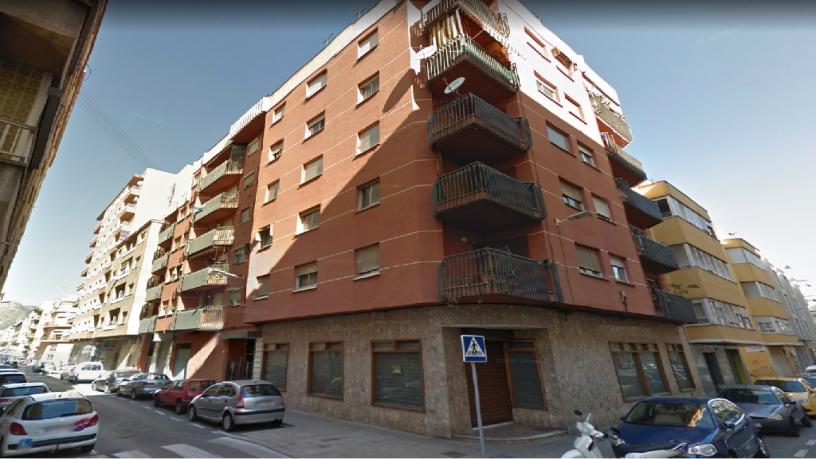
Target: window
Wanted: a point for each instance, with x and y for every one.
(245, 214)
(249, 179)
(588, 261)
(574, 107)
(263, 287)
(368, 88)
(275, 359)
(672, 206)
(315, 125)
(368, 138)
(278, 112)
(316, 84)
(368, 260)
(558, 138)
(690, 256)
(326, 370)
(618, 268)
(272, 191)
(572, 196)
(368, 43)
(586, 155)
(368, 195)
(312, 170)
(709, 310)
(234, 297)
(524, 375)
(265, 236)
(275, 151)
(759, 290)
(254, 145)
(639, 369)
(680, 367)
(240, 254)
(397, 372)
(306, 276)
(741, 255)
(309, 220)
(546, 88)
(601, 208)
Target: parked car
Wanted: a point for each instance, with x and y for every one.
(12, 377)
(87, 372)
(710, 427)
(179, 394)
(66, 371)
(770, 409)
(41, 423)
(810, 369)
(50, 369)
(11, 392)
(234, 403)
(111, 382)
(796, 388)
(143, 385)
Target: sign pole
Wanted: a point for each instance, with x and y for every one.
(478, 409)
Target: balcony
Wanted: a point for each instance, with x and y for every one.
(654, 256)
(480, 197)
(132, 193)
(493, 275)
(493, 23)
(110, 330)
(97, 227)
(623, 164)
(217, 208)
(89, 256)
(153, 293)
(640, 210)
(93, 242)
(159, 263)
(673, 307)
(16, 138)
(166, 234)
(483, 73)
(203, 319)
(218, 237)
(614, 121)
(147, 325)
(470, 129)
(222, 177)
(84, 272)
(209, 277)
(127, 212)
(122, 231)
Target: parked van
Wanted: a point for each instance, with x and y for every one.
(87, 372)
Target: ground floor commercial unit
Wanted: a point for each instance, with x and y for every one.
(403, 368)
(115, 352)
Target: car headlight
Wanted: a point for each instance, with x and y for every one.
(775, 417)
(703, 449)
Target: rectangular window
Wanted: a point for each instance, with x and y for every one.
(240, 254)
(586, 155)
(272, 191)
(275, 360)
(368, 138)
(312, 170)
(326, 370)
(234, 297)
(368, 43)
(572, 196)
(639, 369)
(574, 107)
(368, 195)
(306, 276)
(275, 151)
(524, 375)
(601, 208)
(368, 260)
(398, 380)
(277, 113)
(368, 88)
(558, 138)
(680, 367)
(265, 236)
(546, 88)
(316, 84)
(245, 214)
(618, 268)
(254, 145)
(309, 220)
(249, 179)
(588, 261)
(263, 286)
(315, 125)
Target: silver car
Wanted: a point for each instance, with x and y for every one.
(234, 403)
(143, 385)
(11, 392)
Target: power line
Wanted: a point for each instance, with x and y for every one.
(115, 132)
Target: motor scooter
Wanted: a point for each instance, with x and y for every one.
(585, 446)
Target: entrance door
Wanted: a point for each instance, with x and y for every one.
(180, 364)
(735, 361)
(713, 369)
(162, 357)
(494, 393)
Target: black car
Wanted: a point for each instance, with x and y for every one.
(768, 406)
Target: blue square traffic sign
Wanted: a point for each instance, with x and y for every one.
(473, 349)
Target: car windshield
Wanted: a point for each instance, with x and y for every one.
(196, 386)
(683, 414)
(59, 408)
(20, 391)
(259, 390)
(124, 374)
(755, 396)
(12, 378)
(786, 386)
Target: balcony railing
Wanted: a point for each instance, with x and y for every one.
(630, 164)
(147, 325)
(656, 257)
(491, 22)
(463, 49)
(212, 275)
(674, 307)
(16, 141)
(167, 233)
(127, 212)
(153, 293)
(226, 200)
(640, 210)
(491, 272)
(215, 237)
(230, 167)
(610, 117)
(485, 197)
(204, 318)
(471, 129)
(159, 263)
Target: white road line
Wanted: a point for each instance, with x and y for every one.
(199, 426)
(811, 442)
(247, 447)
(160, 412)
(800, 453)
(174, 419)
(131, 453)
(185, 450)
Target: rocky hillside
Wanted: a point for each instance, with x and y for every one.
(11, 312)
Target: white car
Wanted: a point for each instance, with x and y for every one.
(87, 372)
(810, 369)
(48, 422)
(11, 392)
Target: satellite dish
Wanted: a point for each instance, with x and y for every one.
(426, 52)
(454, 85)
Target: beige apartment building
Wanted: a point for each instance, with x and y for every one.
(55, 324)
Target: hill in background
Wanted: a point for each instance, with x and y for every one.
(13, 311)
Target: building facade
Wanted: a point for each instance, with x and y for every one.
(800, 317)
(56, 324)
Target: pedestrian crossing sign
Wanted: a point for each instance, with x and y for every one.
(473, 349)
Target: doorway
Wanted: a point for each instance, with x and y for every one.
(494, 391)
(180, 362)
(735, 361)
(714, 369)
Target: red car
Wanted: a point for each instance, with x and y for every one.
(179, 394)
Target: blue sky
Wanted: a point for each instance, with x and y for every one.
(720, 103)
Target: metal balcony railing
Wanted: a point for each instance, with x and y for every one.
(212, 275)
(477, 181)
(463, 48)
(492, 22)
(167, 233)
(623, 158)
(658, 255)
(611, 118)
(215, 237)
(226, 200)
(147, 325)
(492, 272)
(642, 204)
(229, 167)
(153, 293)
(204, 318)
(159, 263)
(16, 141)
(468, 110)
(127, 211)
(674, 307)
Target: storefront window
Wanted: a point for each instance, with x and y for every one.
(398, 374)
(524, 375)
(326, 370)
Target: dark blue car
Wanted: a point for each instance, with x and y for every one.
(711, 427)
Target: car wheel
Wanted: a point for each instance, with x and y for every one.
(794, 429)
(179, 407)
(133, 395)
(762, 448)
(806, 421)
(156, 401)
(277, 423)
(191, 414)
(227, 423)
(87, 448)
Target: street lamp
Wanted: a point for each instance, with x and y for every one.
(575, 216)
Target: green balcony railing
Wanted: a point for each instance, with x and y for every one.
(492, 22)
(167, 233)
(226, 200)
(610, 117)
(230, 167)
(213, 275)
(153, 293)
(147, 325)
(462, 48)
(204, 318)
(160, 263)
(215, 237)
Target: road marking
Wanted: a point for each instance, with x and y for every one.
(800, 453)
(174, 419)
(811, 442)
(131, 453)
(185, 450)
(160, 412)
(199, 426)
(248, 447)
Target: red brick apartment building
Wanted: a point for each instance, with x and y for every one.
(367, 218)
